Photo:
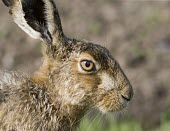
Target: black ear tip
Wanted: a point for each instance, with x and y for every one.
(8, 3)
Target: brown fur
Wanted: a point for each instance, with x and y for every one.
(58, 95)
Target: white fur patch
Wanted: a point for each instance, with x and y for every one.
(72, 95)
(107, 82)
(11, 79)
(19, 19)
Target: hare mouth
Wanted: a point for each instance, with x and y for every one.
(125, 98)
(114, 106)
(124, 101)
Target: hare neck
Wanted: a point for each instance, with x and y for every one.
(41, 76)
(66, 113)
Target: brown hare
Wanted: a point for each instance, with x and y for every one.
(74, 77)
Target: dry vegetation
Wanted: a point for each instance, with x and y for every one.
(137, 34)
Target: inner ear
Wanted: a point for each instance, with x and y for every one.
(34, 11)
(36, 16)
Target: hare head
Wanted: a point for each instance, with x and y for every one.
(79, 72)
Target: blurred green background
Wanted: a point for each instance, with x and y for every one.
(138, 35)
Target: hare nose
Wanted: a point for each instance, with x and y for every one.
(127, 93)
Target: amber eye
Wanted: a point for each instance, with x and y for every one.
(87, 65)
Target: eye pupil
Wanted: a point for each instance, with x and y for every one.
(88, 63)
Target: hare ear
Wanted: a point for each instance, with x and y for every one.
(38, 18)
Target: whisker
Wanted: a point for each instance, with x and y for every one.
(100, 119)
(92, 121)
(85, 115)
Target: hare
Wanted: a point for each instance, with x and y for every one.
(74, 77)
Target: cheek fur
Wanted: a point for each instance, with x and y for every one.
(108, 101)
(75, 87)
(89, 82)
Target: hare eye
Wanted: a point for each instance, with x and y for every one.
(87, 65)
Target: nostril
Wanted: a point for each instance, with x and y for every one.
(126, 97)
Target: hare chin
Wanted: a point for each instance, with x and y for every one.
(122, 105)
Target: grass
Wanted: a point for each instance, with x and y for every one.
(126, 125)
(165, 121)
(99, 125)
